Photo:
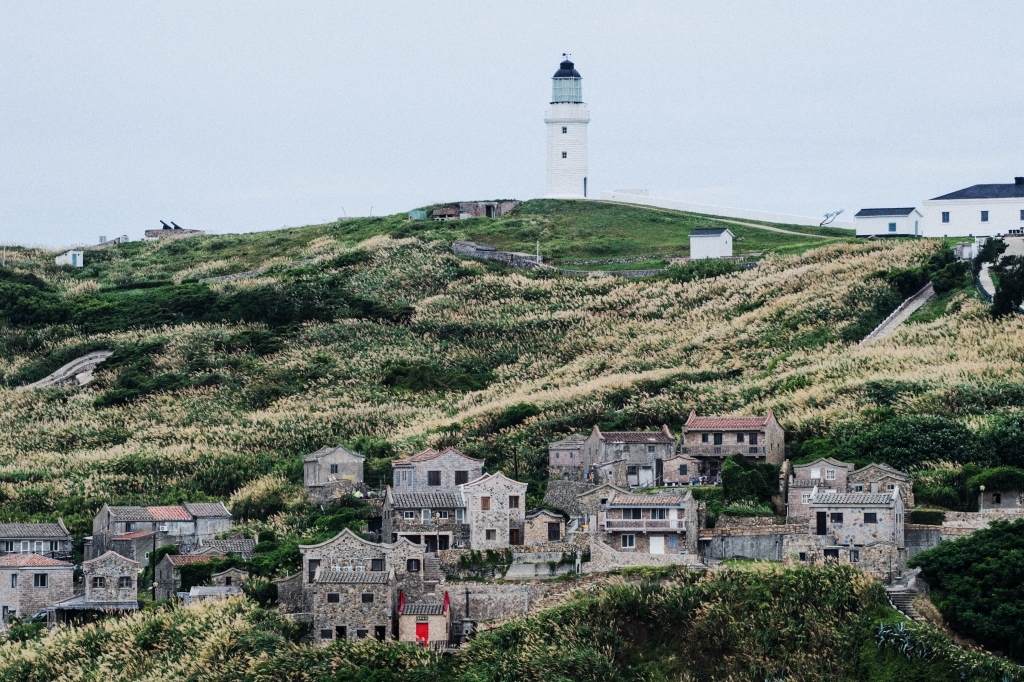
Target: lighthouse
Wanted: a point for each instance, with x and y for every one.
(567, 120)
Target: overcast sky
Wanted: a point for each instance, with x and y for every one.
(235, 116)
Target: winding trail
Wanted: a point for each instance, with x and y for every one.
(78, 372)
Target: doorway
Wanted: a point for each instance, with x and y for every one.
(657, 544)
(822, 528)
(423, 634)
(431, 542)
(514, 537)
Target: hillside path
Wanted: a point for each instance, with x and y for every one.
(78, 372)
(900, 315)
(772, 229)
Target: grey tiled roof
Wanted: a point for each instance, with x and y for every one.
(207, 509)
(328, 450)
(574, 439)
(79, 603)
(423, 609)
(214, 590)
(659, 500)
(240, 546)
(852, 498)
(1005, 191)
(883, 212)
(426, 500)
(636, 437)
(352, 577)
(130, 514)
(32, 530)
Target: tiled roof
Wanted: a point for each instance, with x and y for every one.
(543, 512)
(133, 536)
(79, 603)
(426, 500)
(31, 561)
(824, 460)
(169, 513)
(659, 500)
(695, 422)
(327, 450)
(33, 530)
(573, 440)
(636, 437)
(240, 546)
(113, 555)
(130, 514)
(423, 609)
(431, 453)
(214, 590)
(883, 212)
(182, 559)
(1003, 191)
(207, 509)
(886, 468)
(353, 577)
(852, 498)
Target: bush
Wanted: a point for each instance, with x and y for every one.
(927, 517)
(423, 376)
(746, 481)
(701, 269)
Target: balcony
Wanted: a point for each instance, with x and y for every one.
(709, 450)
(678, 525)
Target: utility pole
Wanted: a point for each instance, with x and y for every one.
(152, 564)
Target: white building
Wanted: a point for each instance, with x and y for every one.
(977, 211)
(710, 243)
(888, 222)
(72, 258)
(567, 121)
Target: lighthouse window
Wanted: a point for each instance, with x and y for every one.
(565, 155)
(565, 129)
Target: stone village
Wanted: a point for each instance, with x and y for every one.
(615, 500)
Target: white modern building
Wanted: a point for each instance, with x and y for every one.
(73, 258)
(710, 243)
(888, 222)
(977, 211)
(567, 121)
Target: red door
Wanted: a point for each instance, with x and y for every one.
(423, 634)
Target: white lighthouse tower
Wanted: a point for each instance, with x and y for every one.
(567, 121)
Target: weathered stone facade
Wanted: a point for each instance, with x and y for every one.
(564, 495)
(605, 558)
(543, 526)
(566, 456)
(46, 539)
(881, 478)
(637, 455)
(993, 500)
(711, 439)
(168, 572)
(231, 577)
(424, 622)
(435, 519)
(827, 474)
(185, 526)
(110, 578)
(352, 605)
(857, 518)
(290, 594)
(495, 511)
(592, 503)
(30, 583)
(431, 471)
(665, 523)
(880, 559)
(680, 470)
(330, 472)
(487, 209)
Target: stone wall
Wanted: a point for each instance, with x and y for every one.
(880, 560)
(110, 568)
(439, 627)
(918, 538)
(501, 517)
(350, 611)
(536, 531)
(25, 599)
(562, 494)
(492, 601)
(980, 519)
(766, 545)
(290, 595)
(604, 558)
(522, 261)
(731, 522)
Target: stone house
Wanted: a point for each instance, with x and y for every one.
(199, 593)
(445, 213)
(331, 472)
(243, 548)
(710, 440)
(881, 478)
(487, 209)
(639, 453)
(433, 471)
(437, 520)
(495, 511)
(680, 470)
(111, 586)
(826, 474)
(231, 577)
(566, 456)
(413, 573)
(30, 583)
(663, 523)
(425, 622)
(543, 525)
(992, 500)
(184, 526)
(46, 539)
(352, 604)
(590, 505)
(168, 572)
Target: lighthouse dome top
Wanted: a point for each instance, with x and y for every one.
(566, 70)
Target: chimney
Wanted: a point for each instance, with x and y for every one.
(1018, 181)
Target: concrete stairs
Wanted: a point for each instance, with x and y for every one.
(78, 372)
(901, 598)
(432, 569)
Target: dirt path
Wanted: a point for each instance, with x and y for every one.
(725, 220)
(900, 315)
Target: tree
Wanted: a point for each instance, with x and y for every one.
(746, 481)
(1009, 285)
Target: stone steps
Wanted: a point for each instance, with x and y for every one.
(902, 599)
(432, 569)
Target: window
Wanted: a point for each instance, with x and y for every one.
(556, 455)
(628, 541)
(99, 582)
(752, 439)
(312, 566)
(54, 546)
(565, 155)
(554, 532)
(39, 546)
(859, 488)
(334, 468)
(366, 598)
(125, 581)
(815, 473)
(718, 439)
(333, 597)
(403, 477)
(830, 474)
(412, 565)
(376, 564)
(490, 534)
(461, 477)
(854, 556)
(8, 545)
(984, 216)
(870, 517)
(836, 517)
(625, 448)
(379, 632)
(325, 634)
(650, 449)
(513, 502)
(361, 634)
(409, 515)
(443, 515)
(129, 527)
(425, 515)
(890, 486)
(703, 438)
(803, 556)
(739, 437)
(892, 227)
(14, 580)
(25, 547)
(1022, 214)
(433, 478)
(658, 514)
(485, 504)
(460, 516)
(682, 470)
(632, 513)
(40, 580)
(341, 631)
(565, 129)
(945, 216)
(997, 498)
(227, 582)
(604, 501)
(805, 498)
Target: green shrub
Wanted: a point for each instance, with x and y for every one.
(928, 517)
(701, 269)
(749, 481)
(424, 376)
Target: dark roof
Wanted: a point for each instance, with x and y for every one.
(658, 500)
(240, 546)
(352, 577)
(33, 530)
(327, 450)
(852, 499)
(431, 453)
(1007, 191)
(207, 509)
(636, 437)
(882, 212)
(130, 514)
(544, 512)
(426, 500)
(425, 609)
(708, 232)
(566, 70)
